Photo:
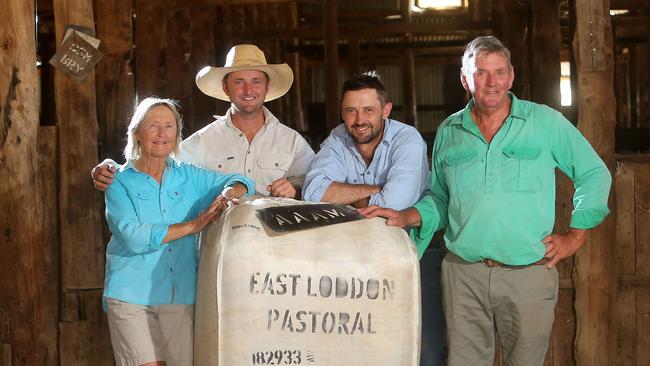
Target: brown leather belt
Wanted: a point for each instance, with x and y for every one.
(492, 263)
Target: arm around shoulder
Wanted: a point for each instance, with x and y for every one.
(103, 173)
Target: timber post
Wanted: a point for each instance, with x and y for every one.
(24, 338)
(594, 262)
(81, 242)
(330, 24)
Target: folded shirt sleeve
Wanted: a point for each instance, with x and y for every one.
(328, 166)
(592, 180)
(124, 224)
(303, 156)
(434, 204)
(209, 184)
(404, 182)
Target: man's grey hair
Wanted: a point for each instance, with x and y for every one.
(132, 148)
(488, 44)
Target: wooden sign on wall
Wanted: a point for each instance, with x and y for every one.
(77, 55)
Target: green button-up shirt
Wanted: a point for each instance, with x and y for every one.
(497, 199)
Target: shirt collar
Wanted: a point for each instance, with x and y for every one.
(130, 164)
(389, 132)
(269, 118)
(516, 111)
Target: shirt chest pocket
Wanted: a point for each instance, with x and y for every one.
(463, 173)
(146, 205)
(179, 206)
(520, 169)
(278, 164)
(227, 165)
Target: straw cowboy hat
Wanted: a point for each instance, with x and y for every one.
(245, 57)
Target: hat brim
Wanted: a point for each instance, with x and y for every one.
(280, 79)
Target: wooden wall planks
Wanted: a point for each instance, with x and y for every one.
(23, 337)
(114, 75)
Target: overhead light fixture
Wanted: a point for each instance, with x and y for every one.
(615, 12)
(439, 4)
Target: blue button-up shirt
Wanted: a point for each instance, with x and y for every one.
(399, 166)
(140, 269)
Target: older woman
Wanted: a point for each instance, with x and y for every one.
(155, 208)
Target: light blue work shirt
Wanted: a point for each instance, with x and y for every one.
(497, 199)
(140, 269)
(399, 166)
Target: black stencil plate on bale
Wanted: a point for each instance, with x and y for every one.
(283, 219)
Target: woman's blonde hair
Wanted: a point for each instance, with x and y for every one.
(132, 148)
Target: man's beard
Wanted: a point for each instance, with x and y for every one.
(364, 139)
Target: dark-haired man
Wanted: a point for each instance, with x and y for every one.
(371, 159)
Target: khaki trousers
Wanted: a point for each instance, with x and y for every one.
(518, 304)
(148, 333)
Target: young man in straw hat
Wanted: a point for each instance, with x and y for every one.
(248, 139)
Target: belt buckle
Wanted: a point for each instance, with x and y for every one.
(489, 262)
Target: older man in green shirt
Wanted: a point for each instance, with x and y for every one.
(493, 189)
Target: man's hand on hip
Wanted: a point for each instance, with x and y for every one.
(560, 246)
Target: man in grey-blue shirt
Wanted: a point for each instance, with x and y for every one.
(368, 159)
(371, 159)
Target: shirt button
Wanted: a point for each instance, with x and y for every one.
(241, 135)
(249, 170)
(367, 173)
(219, 166)
(171, 270)
(169, 250)
(276, 164)
(354, 180)
(164, 210)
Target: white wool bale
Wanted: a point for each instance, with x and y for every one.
(344, 294)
